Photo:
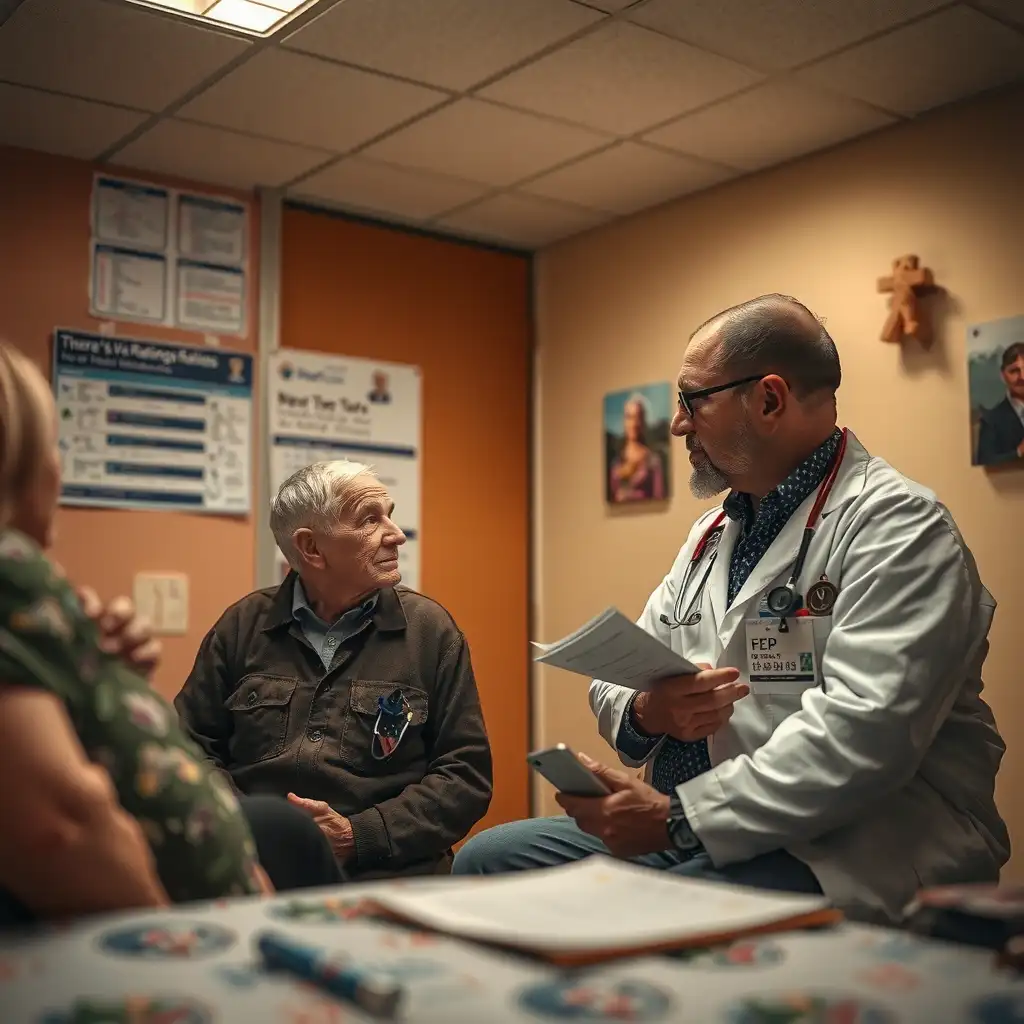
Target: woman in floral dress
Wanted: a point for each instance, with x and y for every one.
(104, 804)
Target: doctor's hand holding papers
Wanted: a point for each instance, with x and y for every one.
(677, 698)
(862, 763)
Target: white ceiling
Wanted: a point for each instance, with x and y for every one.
(519, 122)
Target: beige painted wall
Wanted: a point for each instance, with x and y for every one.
(615, 308)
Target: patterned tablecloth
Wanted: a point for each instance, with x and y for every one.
(195, 965)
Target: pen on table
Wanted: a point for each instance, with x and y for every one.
(377, 995)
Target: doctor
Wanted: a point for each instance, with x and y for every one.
(841, 743)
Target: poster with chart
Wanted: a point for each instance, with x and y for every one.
(152, 425)
(160, 255)
(322, 408)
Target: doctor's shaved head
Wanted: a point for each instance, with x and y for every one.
(773, 334)
(757, 393)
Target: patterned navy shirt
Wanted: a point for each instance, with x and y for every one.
(678, 761)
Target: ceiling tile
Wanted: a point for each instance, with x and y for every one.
(308, 101)
(773, 122)
(522, 221)
(118, 53)
(776, 34)
(451, 43)
(1011, 10)
(621, 79)
(949, 56)
(611, 6)
(628, 177)
(217, 156)
(362, 184)
(61, 124)
(482, 142)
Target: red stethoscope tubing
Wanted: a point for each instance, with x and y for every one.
(824, 490)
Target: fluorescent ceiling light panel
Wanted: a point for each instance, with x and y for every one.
(256, 17)
(244, 14)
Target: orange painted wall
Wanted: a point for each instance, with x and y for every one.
(462, 314)
(44, 283)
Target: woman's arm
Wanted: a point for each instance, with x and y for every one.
(67, 846)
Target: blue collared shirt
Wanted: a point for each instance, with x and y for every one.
(326, 638)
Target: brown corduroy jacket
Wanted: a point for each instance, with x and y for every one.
(260, 705)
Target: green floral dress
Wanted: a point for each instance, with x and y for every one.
(198, 834)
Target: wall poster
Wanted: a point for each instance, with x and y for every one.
(323, 407)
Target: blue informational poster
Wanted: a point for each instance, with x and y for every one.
(146, 424)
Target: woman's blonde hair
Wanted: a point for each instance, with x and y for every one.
(25, 428)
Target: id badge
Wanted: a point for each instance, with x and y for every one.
(781, 662)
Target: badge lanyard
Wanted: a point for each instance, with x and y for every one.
(783, 601)
(393, 718)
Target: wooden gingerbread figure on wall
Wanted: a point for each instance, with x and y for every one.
(907, 282)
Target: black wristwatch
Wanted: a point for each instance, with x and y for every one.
(679, 832)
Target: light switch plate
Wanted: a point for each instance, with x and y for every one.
(161, 598)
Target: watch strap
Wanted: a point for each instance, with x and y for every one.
(683, 837)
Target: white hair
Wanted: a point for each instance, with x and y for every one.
(312, 498)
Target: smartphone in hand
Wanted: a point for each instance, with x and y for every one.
(564, 770)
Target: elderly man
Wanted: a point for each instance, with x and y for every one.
(349, 694)
(839, 743)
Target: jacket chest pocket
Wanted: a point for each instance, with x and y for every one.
(357, 731)
(259, 709)
(787, 700)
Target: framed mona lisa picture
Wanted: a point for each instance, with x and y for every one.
(636, 438)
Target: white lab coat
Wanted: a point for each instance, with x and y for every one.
(880, 777)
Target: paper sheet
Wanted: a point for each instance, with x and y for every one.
(129, 284)
(163, 256)
(616, 650)
(593, 905)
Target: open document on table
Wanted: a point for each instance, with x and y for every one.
(600, 908)
(614, 649)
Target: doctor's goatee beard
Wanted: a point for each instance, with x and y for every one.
(706, 479)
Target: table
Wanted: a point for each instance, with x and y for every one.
(194, 964)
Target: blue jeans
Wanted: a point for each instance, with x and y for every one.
(548, 842)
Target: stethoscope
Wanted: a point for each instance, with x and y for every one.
(782, 601)
(710, 539)
(393, 718)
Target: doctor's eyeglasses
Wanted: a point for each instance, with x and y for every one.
(687, 398)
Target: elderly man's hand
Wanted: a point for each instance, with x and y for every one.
(265, 885)
(122, 632)
(337, 828)
(631, 821)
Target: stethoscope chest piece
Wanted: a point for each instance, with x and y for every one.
(821, 597)
(783, 601)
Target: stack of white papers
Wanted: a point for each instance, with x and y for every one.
(600, 908)
(615, 649)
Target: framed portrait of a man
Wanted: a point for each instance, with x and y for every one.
(995, 361)
(636, 435)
